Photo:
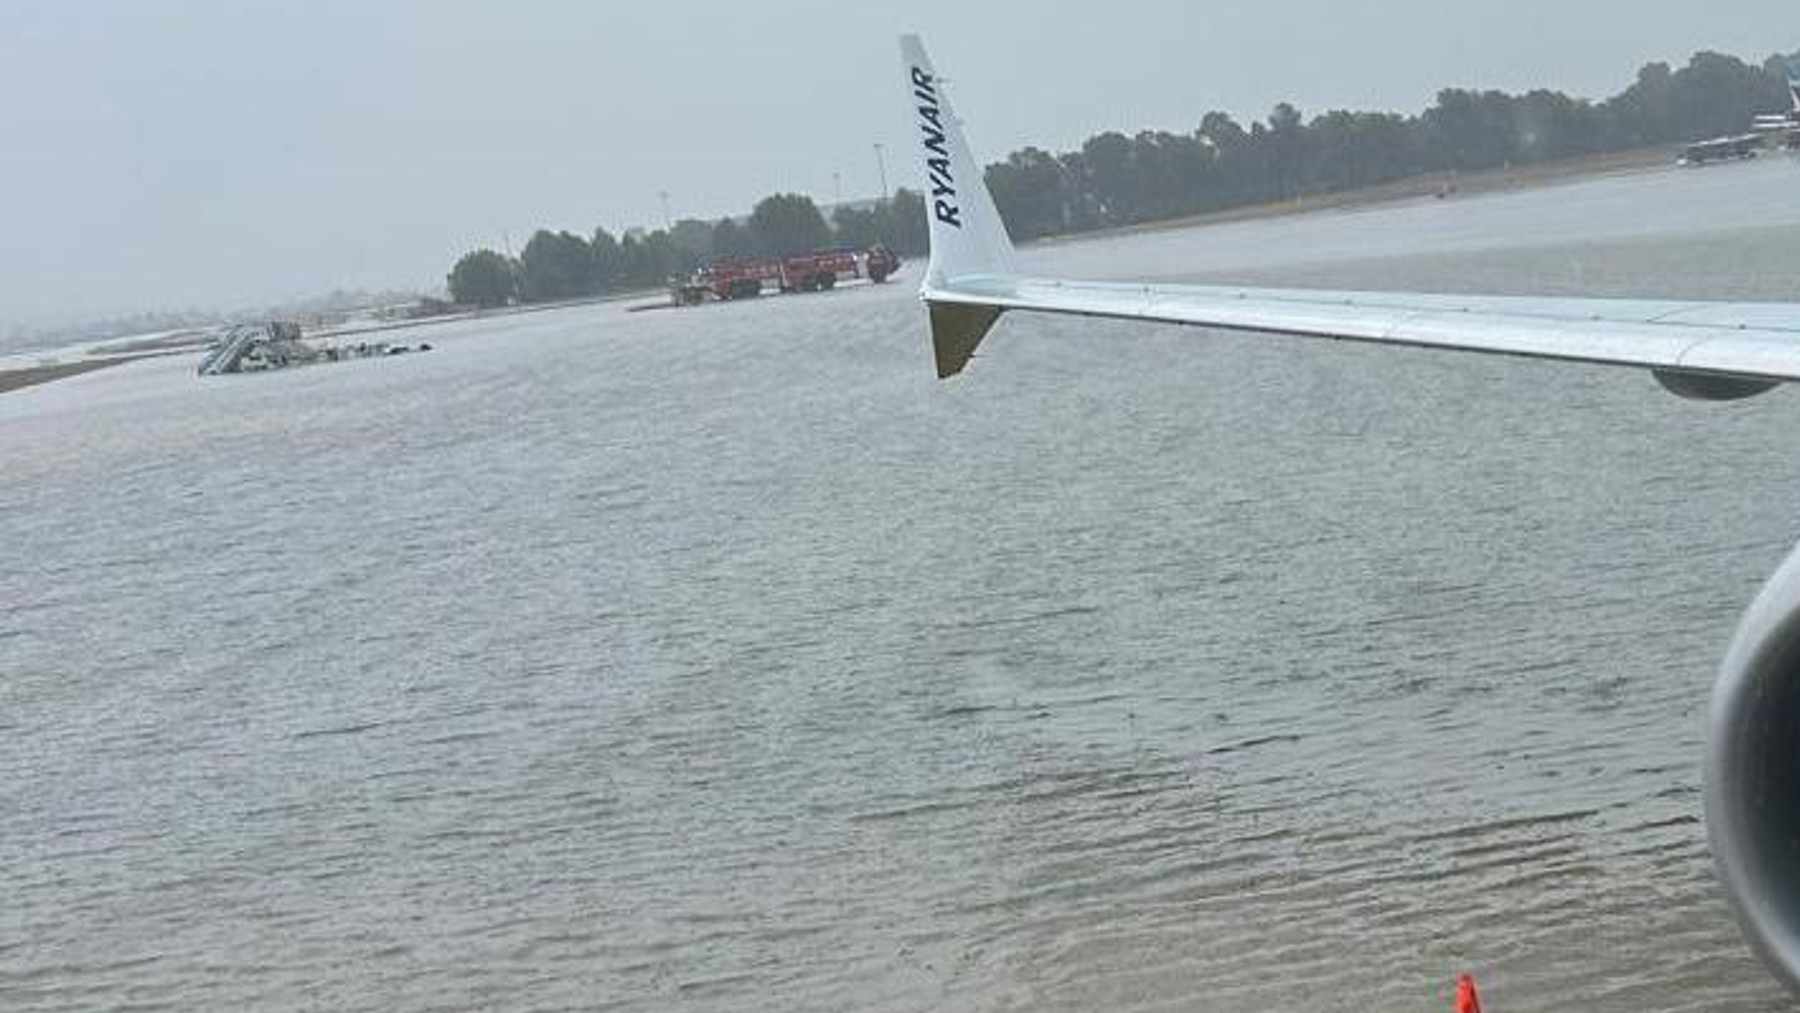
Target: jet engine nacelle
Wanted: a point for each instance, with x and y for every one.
(1753, 773)
(1707, 387)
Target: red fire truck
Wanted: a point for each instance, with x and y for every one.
(744, 278)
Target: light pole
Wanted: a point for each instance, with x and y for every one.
(668, 225)
(881, 164)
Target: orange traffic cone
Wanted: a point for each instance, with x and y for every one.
(1468, 1000)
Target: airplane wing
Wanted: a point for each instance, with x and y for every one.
(1702, 350)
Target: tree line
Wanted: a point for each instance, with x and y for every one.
(563, 265)
(1117, 180)
(1114, 180)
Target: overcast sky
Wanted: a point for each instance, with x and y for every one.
(206, 153)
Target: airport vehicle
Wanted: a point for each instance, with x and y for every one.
(1721, 149)
(1706, 351)
(818, 271)
(279, 344)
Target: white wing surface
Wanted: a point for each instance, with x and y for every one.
(1706, 350)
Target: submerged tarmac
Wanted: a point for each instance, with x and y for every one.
(727, 661)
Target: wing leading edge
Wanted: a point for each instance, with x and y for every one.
(1707, 350)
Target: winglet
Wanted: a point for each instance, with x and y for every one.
(956, 329)
(968, 239)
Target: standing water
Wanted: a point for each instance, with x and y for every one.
(723, 660)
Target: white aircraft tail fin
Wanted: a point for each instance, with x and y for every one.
(968, 239)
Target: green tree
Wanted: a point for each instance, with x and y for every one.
(731, 240)
(904, 228)
(1232, 158)
(483, 278)
(692, 241)
(856, 227)
(786, 224)
(648, 259)
(1032, 192)
(1471, 130)
(1110, 176)
(608, 262)
(658, 260)
(1287, 146)
(1173, 171)
(556, 265)
(1643, 113)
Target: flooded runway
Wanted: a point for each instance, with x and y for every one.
(724, 660)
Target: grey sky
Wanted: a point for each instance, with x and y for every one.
(159, 155)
